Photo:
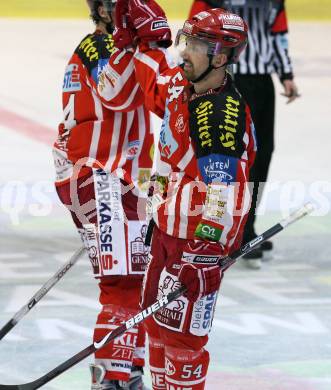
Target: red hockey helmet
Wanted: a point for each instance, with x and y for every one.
(219, 29)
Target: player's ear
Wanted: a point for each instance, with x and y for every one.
(103, 12)
(220, 60)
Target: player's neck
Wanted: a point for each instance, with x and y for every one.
(101, 27)
(213, 80)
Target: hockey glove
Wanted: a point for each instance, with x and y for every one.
(124, 34)
(150, 22)
(199, 271)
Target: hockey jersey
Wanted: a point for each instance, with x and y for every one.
(105, 124)
(206, 149)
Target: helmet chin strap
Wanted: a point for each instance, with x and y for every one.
(207, 71)
(109, 27)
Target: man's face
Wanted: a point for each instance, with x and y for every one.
(195, 57)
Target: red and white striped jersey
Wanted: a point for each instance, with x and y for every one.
(206, 149)
(107, 128)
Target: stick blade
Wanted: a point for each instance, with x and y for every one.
(25, 386)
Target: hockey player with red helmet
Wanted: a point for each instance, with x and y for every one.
(206, 149)
(267, 53)
(103, 157)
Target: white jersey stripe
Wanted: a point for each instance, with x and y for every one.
(114, 141)
(186, 159)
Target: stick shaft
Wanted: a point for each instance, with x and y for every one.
(164, 301)
(40, 293)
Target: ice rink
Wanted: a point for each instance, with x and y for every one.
(272, 329)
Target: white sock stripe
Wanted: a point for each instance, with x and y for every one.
(185, 383)
(201, 280)
(157, 369)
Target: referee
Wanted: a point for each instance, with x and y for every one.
(266, 53)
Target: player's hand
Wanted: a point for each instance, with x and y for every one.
(150, 22)
(290, 90)
(124, 34)
(199, 271)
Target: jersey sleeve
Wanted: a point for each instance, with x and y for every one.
(279, 32)
(153, 71)
(77, 105)
(117, 85)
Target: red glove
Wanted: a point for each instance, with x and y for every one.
(150, 22)
(199, 271)
(124, 34)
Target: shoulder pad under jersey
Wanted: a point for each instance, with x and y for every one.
(94, 48)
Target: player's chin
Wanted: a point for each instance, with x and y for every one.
(189, 74)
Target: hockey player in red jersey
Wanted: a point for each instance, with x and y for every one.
(206, 149)
(267, 53)
(103, 157)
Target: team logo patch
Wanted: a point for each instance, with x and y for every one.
(169, 367)
(180, 125)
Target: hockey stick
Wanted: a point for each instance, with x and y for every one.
(40, 293)
(164, 301)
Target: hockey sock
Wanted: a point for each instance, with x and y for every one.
(139, 351)
(185, 369)
(116, 357)
(156, 362)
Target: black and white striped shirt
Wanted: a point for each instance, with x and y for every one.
(267, 49)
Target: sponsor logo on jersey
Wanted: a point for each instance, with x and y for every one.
(139, 252)
(217, 124)
(167, 141)
(124, 345)
(144, 175)
(202, 315)
(218, 168)
(89, 237)
(229, 127)
(171, 316)
(159, 24)
(133, 149)
(71, 82)
(104, 212)
(203, 111)
(88, 47)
